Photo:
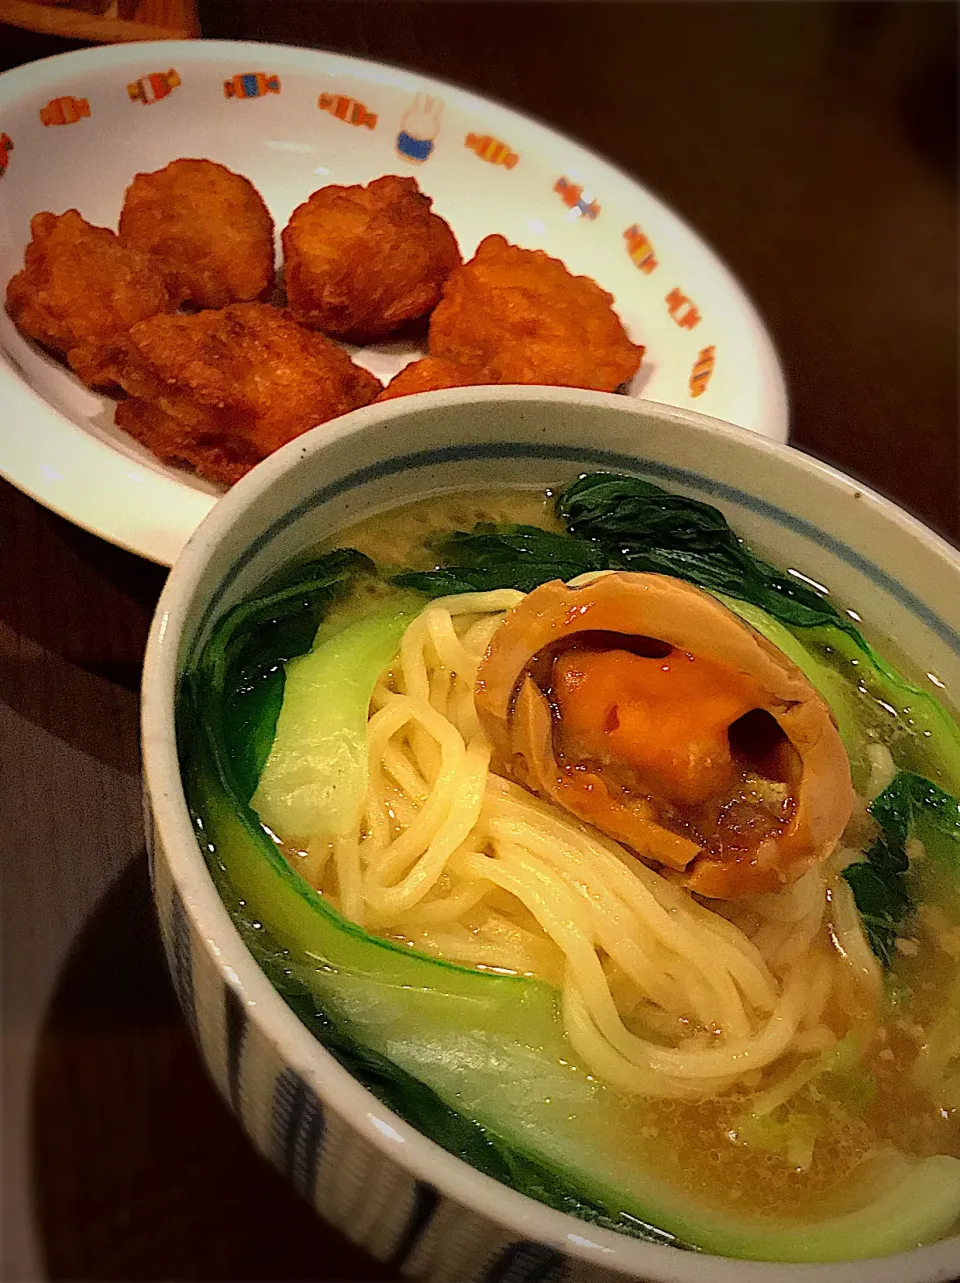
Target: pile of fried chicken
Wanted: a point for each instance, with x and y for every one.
(180, 314)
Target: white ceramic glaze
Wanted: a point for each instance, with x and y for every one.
(364, 1169)
(59, 442)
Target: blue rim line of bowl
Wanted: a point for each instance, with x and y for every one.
(604, 459)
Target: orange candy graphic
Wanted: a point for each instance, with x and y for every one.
(575, 198)
(640, 249)
(64, 111)
(347, 109)
(491, 150)
(702, 369)
(152, 88)
(251, 84)
(682, 310)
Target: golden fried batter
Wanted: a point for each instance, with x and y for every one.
(207, 227)
(359, 262)
(524, 317)
(210, 454)
(431, 373)
(224, 389)
(81, 290)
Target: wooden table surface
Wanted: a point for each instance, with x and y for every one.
(815, 147)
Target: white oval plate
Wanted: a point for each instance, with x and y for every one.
(75, 129)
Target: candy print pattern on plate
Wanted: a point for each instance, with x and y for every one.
(492, 150)
(151, 88)
(579, 202)
(702, 369)
(64, 111)
(347, 109)
(251, 84)
(682, 310)
(6, 147)
(640, 249)
(419, 126)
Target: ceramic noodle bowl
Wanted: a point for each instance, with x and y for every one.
(365, 1169)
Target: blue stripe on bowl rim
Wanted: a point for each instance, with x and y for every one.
(235, 1024)
(149, 843)
(181, 959)
(298, 1131)
(426, 1200)
(602, 459)
(526, 1261)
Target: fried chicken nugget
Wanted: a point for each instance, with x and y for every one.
(207, 227)
(222, 390)
(210, 455)
(521, 315)
(431, 373)
(359, 262)
(81, 290)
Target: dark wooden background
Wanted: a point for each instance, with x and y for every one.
(814, 145)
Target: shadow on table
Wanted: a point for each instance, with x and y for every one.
(140, 1170)
(66, 583)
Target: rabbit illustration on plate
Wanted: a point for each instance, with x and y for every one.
(419, 127)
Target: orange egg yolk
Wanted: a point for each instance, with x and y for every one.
(666, 718)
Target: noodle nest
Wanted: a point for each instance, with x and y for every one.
(661, 995)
